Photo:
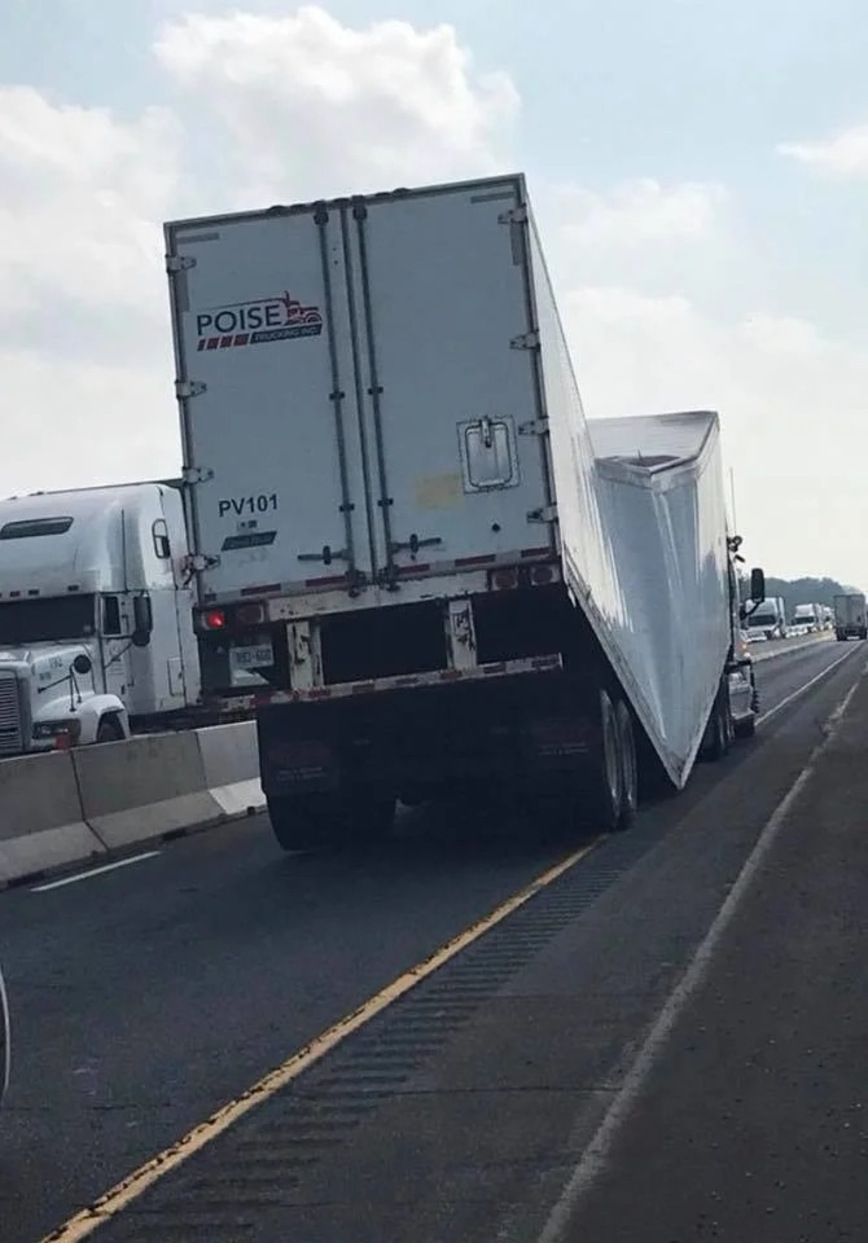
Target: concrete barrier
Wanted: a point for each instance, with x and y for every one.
(230, 760)
(144, 788)
(761, 652)
(41, 824)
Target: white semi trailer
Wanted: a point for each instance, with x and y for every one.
(460, 580)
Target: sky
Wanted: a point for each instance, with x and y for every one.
(699, 173)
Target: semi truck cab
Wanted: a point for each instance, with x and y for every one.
(96, 626)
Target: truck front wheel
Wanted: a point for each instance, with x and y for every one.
(109, 730)
(720, 730)
(325, 821)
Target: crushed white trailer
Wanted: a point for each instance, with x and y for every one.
(461, 578)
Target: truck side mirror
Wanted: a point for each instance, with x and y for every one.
(757, 586)
(82, 664)
(143, 621)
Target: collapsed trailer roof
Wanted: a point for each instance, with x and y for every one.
(652, 441)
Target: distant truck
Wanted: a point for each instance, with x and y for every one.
(768, 620)
(463, 582)
(98, 637)
(851, 621)
(807, 618)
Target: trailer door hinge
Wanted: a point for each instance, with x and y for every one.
(540, 427)
(526, 341)
(198, 474)
(179, 263)
(546, 513)
(516, 215)
(189, 388)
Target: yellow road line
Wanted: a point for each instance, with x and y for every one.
(134, 1185)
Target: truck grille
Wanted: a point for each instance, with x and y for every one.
(11, 739)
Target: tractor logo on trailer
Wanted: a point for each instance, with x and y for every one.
(257, 322)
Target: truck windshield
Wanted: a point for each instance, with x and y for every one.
(23, 622)
(763, 619)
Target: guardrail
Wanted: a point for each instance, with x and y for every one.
(70, 807)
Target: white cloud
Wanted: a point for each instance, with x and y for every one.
(643, 234)
(317, 108)
(85, 354)
(640, 213)
(791, 404)
(843, 155)
(81, 197)
(72, 422)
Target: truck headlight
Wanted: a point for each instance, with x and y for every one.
(63, 733)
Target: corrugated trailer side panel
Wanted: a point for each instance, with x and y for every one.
(633, 558)
(669, 525)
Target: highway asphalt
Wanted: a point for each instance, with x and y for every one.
(145, 997)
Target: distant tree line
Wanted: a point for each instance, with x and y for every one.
(806, 590)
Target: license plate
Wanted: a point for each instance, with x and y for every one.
(246, 659)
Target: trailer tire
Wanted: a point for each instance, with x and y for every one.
(745, 728)
(604, 782)
(721, 730)
(629, 766)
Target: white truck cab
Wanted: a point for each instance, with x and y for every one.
(96, 628)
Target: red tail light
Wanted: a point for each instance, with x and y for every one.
(214, 619)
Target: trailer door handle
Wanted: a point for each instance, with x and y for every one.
(327, 556)
(413, 544)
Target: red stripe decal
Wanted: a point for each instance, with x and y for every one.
(485, 559)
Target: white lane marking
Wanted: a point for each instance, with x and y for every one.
(595, 1156)
(109, 867)
(765, 716)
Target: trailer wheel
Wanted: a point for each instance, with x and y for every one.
(325, 821)
(604, 782)
(719, 732)
(629, 766)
